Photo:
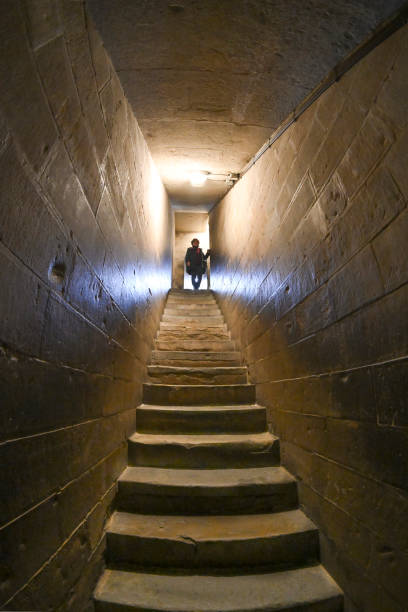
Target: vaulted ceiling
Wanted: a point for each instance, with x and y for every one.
(209, 80)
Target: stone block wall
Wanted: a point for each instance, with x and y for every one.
(310, 268)
(85, 264)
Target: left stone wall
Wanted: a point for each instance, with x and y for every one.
(85, 250)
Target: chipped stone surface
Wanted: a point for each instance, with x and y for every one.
(308, 588)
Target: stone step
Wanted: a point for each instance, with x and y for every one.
(180, 358)
(192, 306)
(201, 419)
(180, 344)
(206, 301)
(282, 539)
(171, 318)
(203, 451)
(194, 335)
(198, 307)
(190, 292)
(194, 327)
(184, 323)
(174, 375)
(186, 313)
(198, 395)
(200, 491)
(308, 589)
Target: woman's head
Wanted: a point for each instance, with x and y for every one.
(195, 242)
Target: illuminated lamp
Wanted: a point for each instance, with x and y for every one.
(198, 178)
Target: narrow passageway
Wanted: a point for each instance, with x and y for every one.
(206, 518)
(197, 446)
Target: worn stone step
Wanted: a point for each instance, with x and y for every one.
(192, 306)
(204, 301)
(198, 395)
(190, 292)
(194, 345)
(186, 311)
(187, 292)
(184, 326)
(195, 310)
(200, 491)
(177, 325)
(282, 539)
(174, 375)
(200, 419)
(192, 335)
(203, 451)
(308, 589)
(181, 358)
(202, 320)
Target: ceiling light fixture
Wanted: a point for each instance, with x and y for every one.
(198, 178)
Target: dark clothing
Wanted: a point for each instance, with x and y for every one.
(197, 260)
(197, 265)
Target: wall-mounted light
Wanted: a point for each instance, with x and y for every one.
(199, 177)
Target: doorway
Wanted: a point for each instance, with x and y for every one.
(189, 225)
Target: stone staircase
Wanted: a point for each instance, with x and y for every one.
(207, 519)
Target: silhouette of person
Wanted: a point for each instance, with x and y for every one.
(196, 262)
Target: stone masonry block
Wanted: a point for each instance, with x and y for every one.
(370, 74)
(392, 97)
(66, 338)
(64, 190)
(100, 60)
(388, 248)
(33, 401)
(352, 395)
(370, 145)
(55, 70)
(362, 590)
(395, 161)
(377, 342)
(333, 200)
(370, 211)
(22, 320)
(338, 140)
(365, 447)
(26, 222)
(356, 284)
(81, 150)
(36, 533)
(43, 23)
(329, 105)
(49, 467)
(81, 495)
(305, 156)
(23, 102)
(381, 508)
(391, 392)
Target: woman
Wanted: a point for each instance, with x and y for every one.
(196, 262)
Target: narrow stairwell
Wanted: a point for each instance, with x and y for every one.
(207, 519)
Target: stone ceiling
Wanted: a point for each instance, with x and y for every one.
(210, 80)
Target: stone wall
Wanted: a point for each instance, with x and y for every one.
(85, 250)
(310, 268)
